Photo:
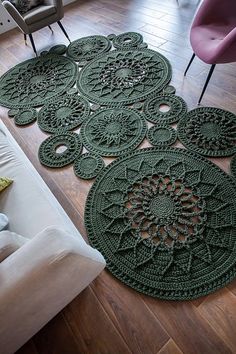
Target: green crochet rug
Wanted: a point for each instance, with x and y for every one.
(124, 76)
(165, 221)
(209, 131)
(112, 132)
(63, 113)
(35, 81)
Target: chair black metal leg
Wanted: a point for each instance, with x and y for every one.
(207, 81)
(32, 42)
(63, 30)
(191, 60)
(25, 38)
(50, 28)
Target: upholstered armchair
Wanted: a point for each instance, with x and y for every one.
(43, 15)
(213, 35)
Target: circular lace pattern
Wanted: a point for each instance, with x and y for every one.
(59, 49)
(165, 220)
(88, 48)
(209, 131)
(35, 81)
(123, 77)
(25, 116)
(60, 149)
(64, 113)
(88, 166)
(112, 132)
(127, 40)
(166, 108)
(162, 135)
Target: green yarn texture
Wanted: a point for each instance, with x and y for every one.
(88, 166)
(51, 157)
(209, 131)
(161, 135)
(177, 108)
(64, 113)
(124, 76)
(35, 81)
(112, 132)
(87, 48)
(233, 166)
(165, 219)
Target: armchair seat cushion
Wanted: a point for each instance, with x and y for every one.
(39, 13)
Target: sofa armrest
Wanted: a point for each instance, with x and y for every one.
(40, 279)
(14, 13)
(9, 243)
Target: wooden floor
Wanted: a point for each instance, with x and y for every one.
(108, 317)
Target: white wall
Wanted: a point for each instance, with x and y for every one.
(7, 23)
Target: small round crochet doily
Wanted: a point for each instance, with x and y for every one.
(88, 166)
(60, 149)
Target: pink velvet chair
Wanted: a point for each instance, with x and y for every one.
(213, 34)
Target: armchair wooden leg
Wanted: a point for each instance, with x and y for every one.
(25, 38)
(207, 81)
(63, 30)
(190, 62)
(32, 42)
(50, 28)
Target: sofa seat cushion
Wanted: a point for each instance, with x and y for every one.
(39, 13)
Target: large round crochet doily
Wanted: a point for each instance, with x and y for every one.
(209, 131)
(125, 76)
(35, 81)
(165, 221)
(112, 132)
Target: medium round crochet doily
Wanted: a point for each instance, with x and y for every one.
(35, 81)
(209, 131)
(112, 132)
(124, 76)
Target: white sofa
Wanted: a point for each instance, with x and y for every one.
(41, 272)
